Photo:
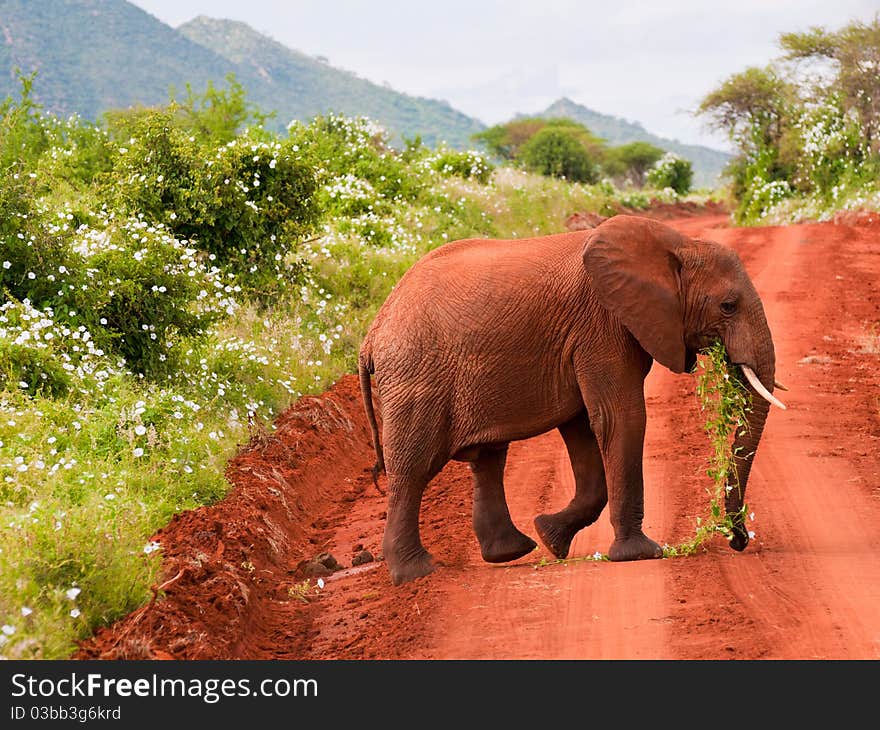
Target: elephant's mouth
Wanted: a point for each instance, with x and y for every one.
(690, 359)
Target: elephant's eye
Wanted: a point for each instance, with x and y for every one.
(728, 307)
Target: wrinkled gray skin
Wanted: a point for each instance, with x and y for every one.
(484, 342)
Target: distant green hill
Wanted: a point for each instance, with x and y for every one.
(707, 163)
(301, 86)
(94, 55)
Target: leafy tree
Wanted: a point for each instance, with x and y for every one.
(631, 160)
(505, 140)
(854, 54)
(758, 109)
(807, 125)
(557, 152)
(751, 106)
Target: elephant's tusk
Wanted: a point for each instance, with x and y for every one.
(777, 384)
(759, 387)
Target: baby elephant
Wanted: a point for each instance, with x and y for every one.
(484, 342)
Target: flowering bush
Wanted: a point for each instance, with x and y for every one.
(468, 164)
(248, 203)
(147, 294)
(833, 146)
(671, 171)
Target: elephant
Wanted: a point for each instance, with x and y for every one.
(487, 341)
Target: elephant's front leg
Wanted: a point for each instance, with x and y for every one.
(557, 530)
(620, 432)
(499, 539)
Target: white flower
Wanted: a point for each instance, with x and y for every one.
(7, 629)
(7, 264)
(151, 547)
(25, 611)
(140, 430)
(320, 582)
(138, 452)
(75, 613)
(72, 593)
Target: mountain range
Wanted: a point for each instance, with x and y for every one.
(95, 55)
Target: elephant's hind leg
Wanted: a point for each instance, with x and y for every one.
(402, 546)
(499, 539)
(591, 494)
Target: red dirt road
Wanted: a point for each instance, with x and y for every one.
(807, 586)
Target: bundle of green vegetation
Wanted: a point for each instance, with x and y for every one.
(806, 127)
(566, 149)
(172, 278)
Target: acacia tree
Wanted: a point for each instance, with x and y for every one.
(753, 106)
(853, 54)
(632, 161)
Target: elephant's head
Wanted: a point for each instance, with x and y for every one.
(677, 295)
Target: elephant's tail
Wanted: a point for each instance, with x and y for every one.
(365, 368)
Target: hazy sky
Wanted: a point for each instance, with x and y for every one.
(645, 61)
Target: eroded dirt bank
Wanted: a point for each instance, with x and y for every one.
(808, 585)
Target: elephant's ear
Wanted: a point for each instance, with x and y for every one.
(635, 266)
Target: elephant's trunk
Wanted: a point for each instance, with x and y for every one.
(745, 445)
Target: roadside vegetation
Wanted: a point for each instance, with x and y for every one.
(172, 278)
(806, 127)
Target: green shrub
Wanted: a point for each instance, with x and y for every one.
(671, 171)
(34, 258)
(146, 293)
(554, 151)
(247, 204)
(834, 150)
(23, 135)
(42, 354)
(76, 153)
(358, 172)
(30, 368)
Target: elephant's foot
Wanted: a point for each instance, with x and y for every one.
(507, 546)
(404, 570)
(634, 547)
(556, 534)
